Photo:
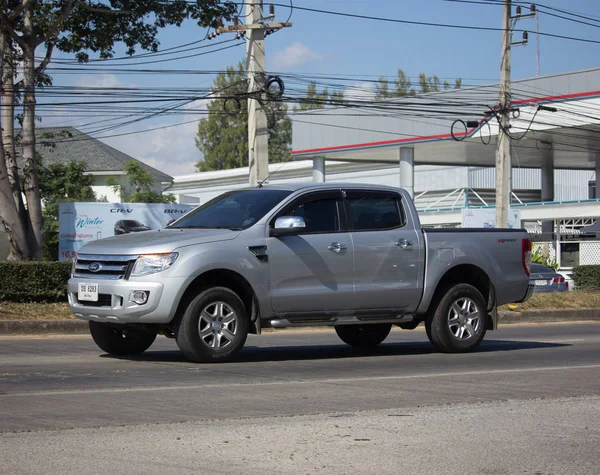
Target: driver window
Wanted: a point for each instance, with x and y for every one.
(321, 215)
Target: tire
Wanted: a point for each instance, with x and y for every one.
(214, 326)
(363, 336)
(120, 341)
(457, 324)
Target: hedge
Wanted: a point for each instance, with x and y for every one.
(586, 277)
(34, 281)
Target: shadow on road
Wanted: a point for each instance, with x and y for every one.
(255, 354)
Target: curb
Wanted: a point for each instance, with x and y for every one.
(41, 327)
(74, 327)
(549, 316)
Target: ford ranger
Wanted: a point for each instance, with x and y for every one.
(344, 255)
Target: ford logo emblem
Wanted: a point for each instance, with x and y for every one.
(95, 267)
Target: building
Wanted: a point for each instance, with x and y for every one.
(442, 146)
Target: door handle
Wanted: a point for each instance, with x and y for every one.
(403, 243)
(337, 247)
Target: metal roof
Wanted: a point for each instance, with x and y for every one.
(568, 137)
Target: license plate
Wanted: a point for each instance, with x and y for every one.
(87, 292)
(541, 282)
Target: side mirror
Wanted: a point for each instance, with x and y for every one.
(288, 225)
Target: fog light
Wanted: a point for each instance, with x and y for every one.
(139, 296)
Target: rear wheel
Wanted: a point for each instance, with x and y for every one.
(214, 326)
(120, 340)
(458, 323)
(364, 336)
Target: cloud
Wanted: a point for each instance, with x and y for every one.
(100, 80)
(360, 91)
(172, 149)
(294, 56)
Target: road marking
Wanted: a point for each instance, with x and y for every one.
(297, 382)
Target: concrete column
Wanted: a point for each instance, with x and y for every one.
(407, 169)
(597, 176)
(319, 170)
(548, 191)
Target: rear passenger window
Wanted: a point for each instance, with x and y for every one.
(375, 212)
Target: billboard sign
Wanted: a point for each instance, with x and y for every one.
(80, 223)
(486, 218)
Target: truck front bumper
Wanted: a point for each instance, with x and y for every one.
(115, 303)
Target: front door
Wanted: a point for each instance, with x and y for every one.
(387, 252)
(313, 270)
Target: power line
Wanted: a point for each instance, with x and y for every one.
(425, 23)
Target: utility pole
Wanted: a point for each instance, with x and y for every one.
(258, 137)
(503, 161)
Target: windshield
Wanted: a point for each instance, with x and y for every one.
(232, 210)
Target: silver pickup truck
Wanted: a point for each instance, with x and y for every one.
(344, 255)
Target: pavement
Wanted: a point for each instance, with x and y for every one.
(528, 402)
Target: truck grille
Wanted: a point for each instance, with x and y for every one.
(103, 266)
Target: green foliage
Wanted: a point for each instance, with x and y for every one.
(318, 100)
(60, 183)
(34, 281)
(141, 183)
(587, 277)
(402, 86)
(223, 138)
(537, 257)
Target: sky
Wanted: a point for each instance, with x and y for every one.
(321, 44)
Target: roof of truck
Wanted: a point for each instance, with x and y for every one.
(297, 186)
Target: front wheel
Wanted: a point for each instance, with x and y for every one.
(120, 341)
(363, 336)
(214, 326)
(458, 323)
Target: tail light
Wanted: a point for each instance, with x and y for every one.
(527, 255)
(558, 280)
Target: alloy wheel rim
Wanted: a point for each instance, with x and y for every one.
(464, 321)
(217, 325)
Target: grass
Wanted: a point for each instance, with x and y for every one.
(563, 300)
(35, 311)
(60, 311)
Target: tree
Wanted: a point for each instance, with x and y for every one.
(141, 184)
(318, 100)
(382, 89)
(71, 26)
(402, 85)
(223, 136)
(59, 183)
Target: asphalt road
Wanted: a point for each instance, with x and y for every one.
(301, 402)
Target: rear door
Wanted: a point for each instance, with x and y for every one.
(313, 270)
(388, 251)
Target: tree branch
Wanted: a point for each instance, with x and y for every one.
(44, 64)
(7, 26)
(55, 29)
(18, 10)
(103, 10)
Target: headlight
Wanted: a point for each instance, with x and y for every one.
(147, 264)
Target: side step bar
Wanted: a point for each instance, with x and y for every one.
(332, 321)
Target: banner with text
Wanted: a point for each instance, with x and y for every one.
(486, 218)
(80, 223)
